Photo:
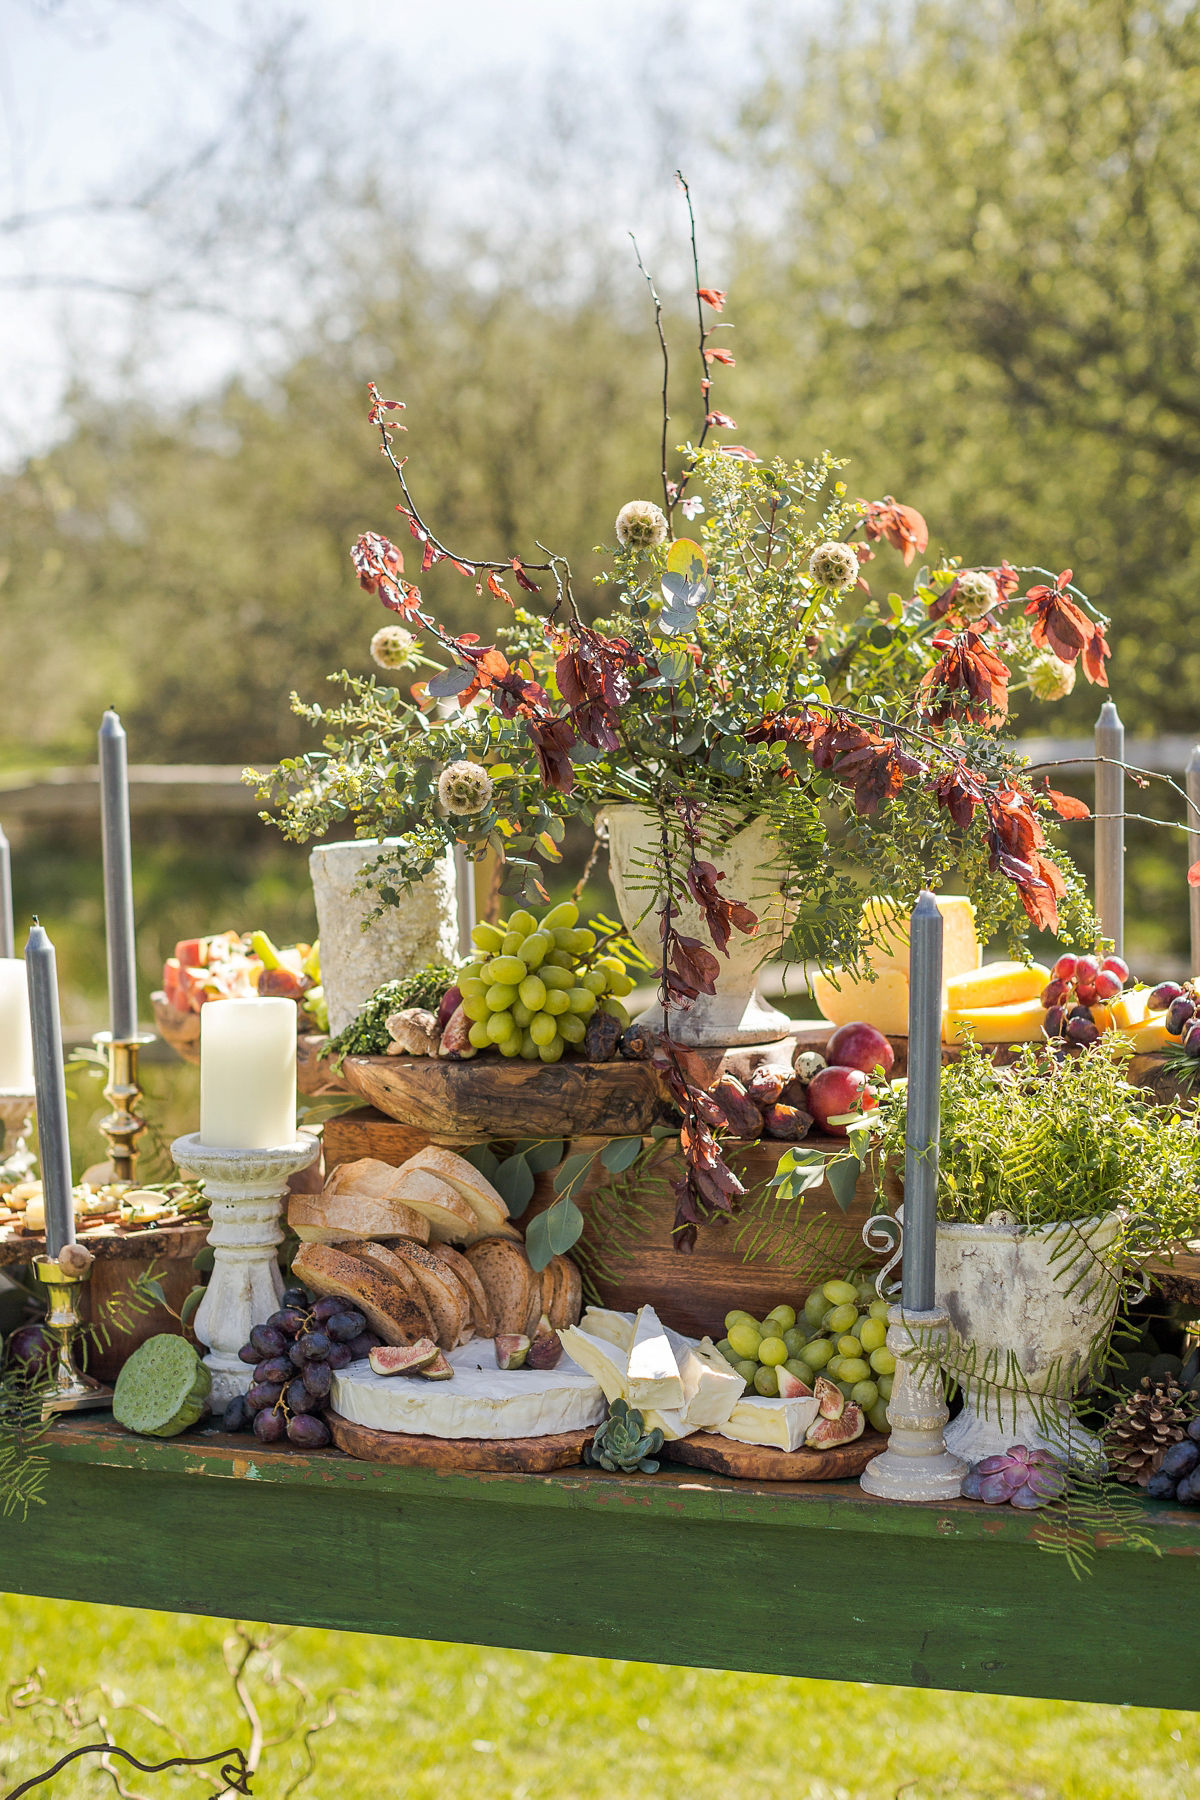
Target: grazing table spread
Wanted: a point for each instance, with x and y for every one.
(682, 1567)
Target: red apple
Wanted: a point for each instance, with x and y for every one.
(838, 1090)
(860, 1046)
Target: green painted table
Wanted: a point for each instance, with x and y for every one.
(681, 1567)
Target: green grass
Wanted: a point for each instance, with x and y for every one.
(423, 1721)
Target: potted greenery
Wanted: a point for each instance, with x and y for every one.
(746, 681)
(1056, 1178)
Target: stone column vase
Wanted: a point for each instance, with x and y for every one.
(244, 1190)
(736, 1013)
(354, 962)
(1027, 1305)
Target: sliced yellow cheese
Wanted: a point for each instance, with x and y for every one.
(885, 926)
(995, 984)
(1130, 1010)
(1153, 1035)
(882, 1002)
(1020, 1023)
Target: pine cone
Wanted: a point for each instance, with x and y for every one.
(1143, 1428)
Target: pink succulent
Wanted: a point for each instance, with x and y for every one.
(1021, 1477)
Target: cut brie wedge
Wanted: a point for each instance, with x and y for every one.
(779, 1424)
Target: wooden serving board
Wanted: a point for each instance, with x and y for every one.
(500, 1456)
(757, 1462)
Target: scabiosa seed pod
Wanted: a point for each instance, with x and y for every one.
(392, 647)
(641, 525)
(975, 593)
(1049, 677)
(464, 788)
(834, 565)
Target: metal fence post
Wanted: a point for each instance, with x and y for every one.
(1110, 825)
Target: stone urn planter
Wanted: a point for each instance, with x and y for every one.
(736, 1013)
(354, 962)
(1026, 1304)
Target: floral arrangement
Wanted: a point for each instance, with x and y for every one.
(749, 670)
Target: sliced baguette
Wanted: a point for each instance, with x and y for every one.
(392, 1309)
(443, 1293)
(367, 1176)
(334, 1218)
(481, 1310)
(478, 1192)
(508, 1281)
(565, 1304)
(451, 1220)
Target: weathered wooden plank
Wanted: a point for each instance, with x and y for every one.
(677, 1567)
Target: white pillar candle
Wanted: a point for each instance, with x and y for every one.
(248, 1074)
(16, 1037)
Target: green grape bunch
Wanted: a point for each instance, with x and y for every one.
(531, 987)
(841, 1333)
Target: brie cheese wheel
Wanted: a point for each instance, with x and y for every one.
(652, 1375)
(780, 1424)
(481, 1401)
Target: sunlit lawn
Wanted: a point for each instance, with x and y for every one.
(424, 1720)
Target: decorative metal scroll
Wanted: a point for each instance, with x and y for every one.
(881, 1233)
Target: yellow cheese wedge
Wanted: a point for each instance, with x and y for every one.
(1020, 1023)
(995, 984)
(886, 928)
(882, 1002)
(1130, 1010)
(1153, 1034)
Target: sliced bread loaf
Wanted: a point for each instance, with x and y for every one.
(562, 1292)
(395, 1311)
(333, 1218)
(488, 1206)
(481, 1312)
(508, 1280)
(443, 1293)
(451, 1220)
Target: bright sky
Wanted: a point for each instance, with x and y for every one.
(96, 96)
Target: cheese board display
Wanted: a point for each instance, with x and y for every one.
(759, 1462)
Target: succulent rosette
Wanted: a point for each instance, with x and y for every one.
(1021, 1477)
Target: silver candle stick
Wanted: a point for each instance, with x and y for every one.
(916, 1464)
(1110, 825)
(7, 941)
(49, 1080)
(118, 880)
(1192, 779)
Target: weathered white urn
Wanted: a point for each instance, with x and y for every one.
(736, 1013)
(1027, 1304)
(354, 962)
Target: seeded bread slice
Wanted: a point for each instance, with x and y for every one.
(392, 1309)
(335, 1218)
(508, 1280)
(537, 1306)
(562, 1292)
(443, 1293)
(488, 1206)
(481, 1310)
(451, 1220)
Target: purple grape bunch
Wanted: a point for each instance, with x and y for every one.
(1183, 1012)
(1021, 1477)
(1178, 1475)
(294, 1355)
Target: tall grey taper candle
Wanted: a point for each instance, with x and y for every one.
(7, 944)
(118, 880)
(50, 1086)
(1193, 793)
(924, 1104)
(464, 882)
(1110, 825)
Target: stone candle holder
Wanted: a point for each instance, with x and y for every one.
(244, 1190)
(916, 1464)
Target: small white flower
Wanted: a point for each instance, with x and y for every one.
(641, 525)
(691, 508)
(1049, 677)
(975, 593)
(392, 647)
(464, 788)
(834, 565)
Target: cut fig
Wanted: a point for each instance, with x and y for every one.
(823, 1434)
(511, 1351)
(544, 1352)
(438, 1370)
(765, 1085)
(790, 1386)
(830, 1399)
(403, 1359)
(790, 1123)
(544, 1329)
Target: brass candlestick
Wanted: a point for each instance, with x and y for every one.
(124, 1124)
(73, 1392)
